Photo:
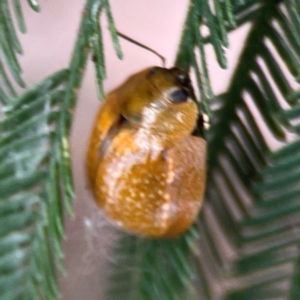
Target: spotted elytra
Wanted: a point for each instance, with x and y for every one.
(145, 168)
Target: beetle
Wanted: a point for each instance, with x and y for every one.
(145, 168)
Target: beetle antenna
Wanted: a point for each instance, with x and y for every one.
(143, 46)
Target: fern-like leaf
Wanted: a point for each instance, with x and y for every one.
(35, 166)
(250, 207)
(199, 17)
(30, 207)
(153, 269)
(10, 47)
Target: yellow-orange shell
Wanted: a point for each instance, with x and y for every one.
(149, 174)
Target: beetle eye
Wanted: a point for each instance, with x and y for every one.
(179, 96)
(183, 79)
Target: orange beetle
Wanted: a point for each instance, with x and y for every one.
(146, 170)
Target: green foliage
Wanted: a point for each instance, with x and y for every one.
(245, 244)
(31, 207)
(252, 191)
(35, 176)
(152, 268)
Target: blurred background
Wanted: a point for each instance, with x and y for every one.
(47, 48)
